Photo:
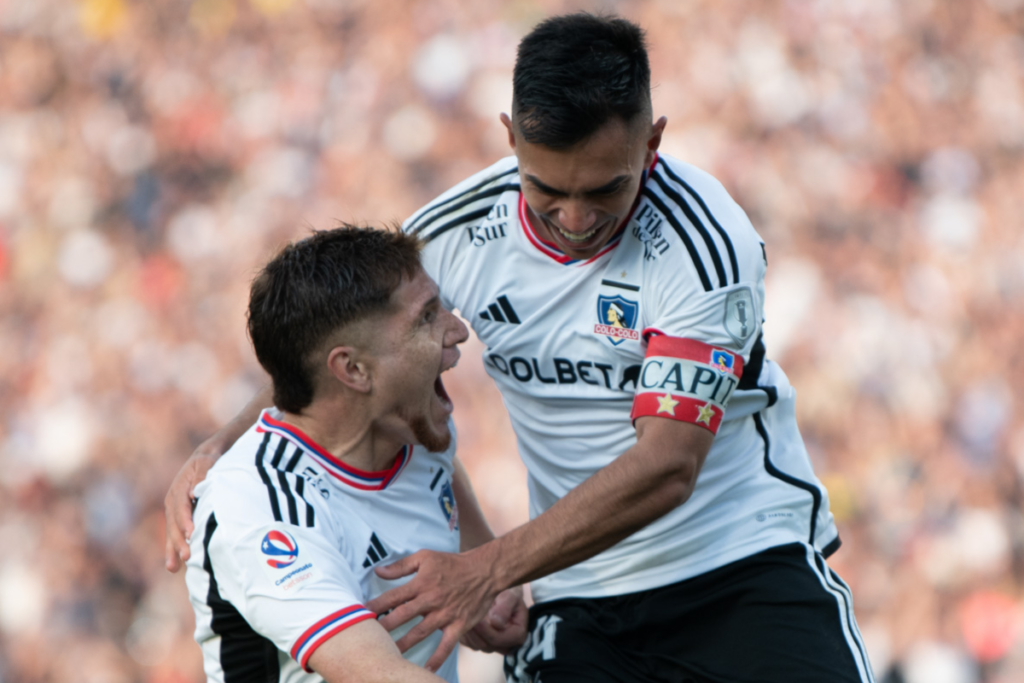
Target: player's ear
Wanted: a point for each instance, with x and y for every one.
(654, 140)
(507, 122)
(350, 367)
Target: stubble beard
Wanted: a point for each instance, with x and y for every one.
(435, 443)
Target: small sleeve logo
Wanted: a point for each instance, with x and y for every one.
(280, 548)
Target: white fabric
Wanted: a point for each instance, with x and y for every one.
(568, 381)
(330, 575)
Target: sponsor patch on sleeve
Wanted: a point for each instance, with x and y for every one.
(282, 563)
(686, 380)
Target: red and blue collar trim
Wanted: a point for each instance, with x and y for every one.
(352, 476)
(551, 250)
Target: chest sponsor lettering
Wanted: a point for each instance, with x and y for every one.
(647, 228)
(566, 371)
(494, 227)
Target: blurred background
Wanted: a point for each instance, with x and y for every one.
(154, 154)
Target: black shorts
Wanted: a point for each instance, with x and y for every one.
(778, 616)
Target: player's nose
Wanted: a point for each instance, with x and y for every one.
(456, 332)
(576, 217)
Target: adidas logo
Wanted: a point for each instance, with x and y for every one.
(375, 553)
(501, 312)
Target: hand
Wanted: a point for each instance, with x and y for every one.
(178, 505)
(504, 628)
(451, 592)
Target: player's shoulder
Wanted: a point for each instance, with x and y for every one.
(690, 192)
(697, 215)
(467, 202)
(234, 490)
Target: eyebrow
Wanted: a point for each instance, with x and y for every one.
(607, 187)
(430, 303)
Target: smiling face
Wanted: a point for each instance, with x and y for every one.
(413, 344)
(578, 197)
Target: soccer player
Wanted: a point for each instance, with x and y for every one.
(677, 529)
(354, 467)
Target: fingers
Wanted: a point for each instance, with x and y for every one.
(179, 527)
(474, 641)
(449, 639)
(495, 640)
(420, 631)
(171, 561)
(389, 600)
(178, 509)
(403, 567)
(400, 615)
(501, 611)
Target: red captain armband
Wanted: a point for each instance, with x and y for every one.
(686, 380)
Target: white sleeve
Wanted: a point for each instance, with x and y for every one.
(289, 583)
(698, 342)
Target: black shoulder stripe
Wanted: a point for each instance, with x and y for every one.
(454, 208)
(674, 222)
(457, 221)
(293, 510)
(432, 213)
(279, 453)
(290, 467)
(711, 217)
(271, 491)
(283, 483)
(716, 259)
(300, 488)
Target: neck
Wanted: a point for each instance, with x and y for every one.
(347, 434)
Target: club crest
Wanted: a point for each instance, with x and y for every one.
(448, 506)
(616, 317)
(723, 360)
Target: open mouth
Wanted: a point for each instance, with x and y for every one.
(442, 395)
(577, 239)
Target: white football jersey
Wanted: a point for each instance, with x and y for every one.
(286, 540)
(665, 320)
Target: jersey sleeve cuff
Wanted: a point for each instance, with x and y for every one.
(686, 380)
(323, 630)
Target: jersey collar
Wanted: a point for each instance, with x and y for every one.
(551, 250)
(346, 474)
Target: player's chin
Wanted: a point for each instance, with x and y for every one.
(432, 433)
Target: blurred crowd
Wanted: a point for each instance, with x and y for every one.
(154, 154)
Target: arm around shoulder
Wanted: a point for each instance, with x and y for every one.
(178, 501)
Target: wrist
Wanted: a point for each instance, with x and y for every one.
(492, 558)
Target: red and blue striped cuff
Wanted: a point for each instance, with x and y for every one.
(320, 632)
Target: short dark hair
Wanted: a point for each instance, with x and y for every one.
(574, 73)
(315, 287)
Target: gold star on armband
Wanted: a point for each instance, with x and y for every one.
(667, 404)
(705, 413)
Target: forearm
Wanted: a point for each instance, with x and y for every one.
(364, 653)
(227, 435)
(473, 528)
(635, 489)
